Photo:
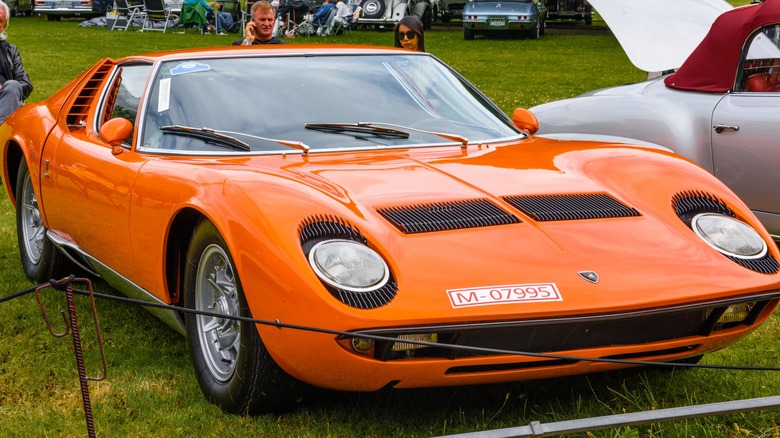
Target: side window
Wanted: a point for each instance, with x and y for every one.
(761, 67)
(124, 93)
(128, 96)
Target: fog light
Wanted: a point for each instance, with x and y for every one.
(362, 345)
(406, 346)
(735, 313)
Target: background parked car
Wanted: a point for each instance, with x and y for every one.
(485, 17)
(54, 10)
(719, 108)
(19, 7)
(389, 12)
(451, 9)
(569, 9)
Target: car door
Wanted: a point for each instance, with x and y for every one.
(748, 159)
(86, 187)
(746, 153)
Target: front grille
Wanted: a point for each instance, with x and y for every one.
(440, 216)
(570, 207)
(564, 334)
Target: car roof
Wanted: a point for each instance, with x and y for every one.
(714, 63)
(270, 50)
(658, 35)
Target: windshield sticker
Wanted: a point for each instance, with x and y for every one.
(189, 67)
(506, 294)
(164, 98)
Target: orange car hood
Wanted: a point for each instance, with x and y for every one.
(428, 266)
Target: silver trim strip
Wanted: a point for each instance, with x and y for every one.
(118, 282)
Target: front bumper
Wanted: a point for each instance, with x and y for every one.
(518, 350)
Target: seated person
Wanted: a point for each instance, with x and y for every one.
(343, 16)
(296, 8)
(321, 16)
(191, 13)
(224, 20)
(15, 85)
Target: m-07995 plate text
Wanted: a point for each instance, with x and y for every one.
(505, 294)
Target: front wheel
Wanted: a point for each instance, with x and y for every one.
(233, 367)
(41, 260)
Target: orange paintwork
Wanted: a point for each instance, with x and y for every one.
(120, 208)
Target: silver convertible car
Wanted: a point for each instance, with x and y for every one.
(490, 17)
(720, 108)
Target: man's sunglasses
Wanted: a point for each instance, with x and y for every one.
(409, 34)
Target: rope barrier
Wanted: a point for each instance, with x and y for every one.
(65, 285)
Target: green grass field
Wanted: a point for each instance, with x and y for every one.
(150, 389)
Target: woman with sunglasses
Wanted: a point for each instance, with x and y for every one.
(409, 34)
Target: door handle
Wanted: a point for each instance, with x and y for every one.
(720, 128)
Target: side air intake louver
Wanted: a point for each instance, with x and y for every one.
(570, 207)
(690, 203)
(77, 115)
(440, 216)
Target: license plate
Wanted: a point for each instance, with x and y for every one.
(62, 4)
(497, 22)
(506, 294)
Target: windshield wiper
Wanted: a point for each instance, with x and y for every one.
(232, 142)
(357, 128)
(379, 131)
(211, 135)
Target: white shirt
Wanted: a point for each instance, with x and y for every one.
(342, 11)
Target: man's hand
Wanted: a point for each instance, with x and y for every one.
(249, 32)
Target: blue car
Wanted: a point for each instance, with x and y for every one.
(521, 17)
(54, 10)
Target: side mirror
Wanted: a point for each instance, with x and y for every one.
(116, 131)
(525, 120)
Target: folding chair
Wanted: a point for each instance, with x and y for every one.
(193, 14)
(340, 26)
(155, 12)
(128, 12)
(246, 15)
(323, 24)
(297, 23)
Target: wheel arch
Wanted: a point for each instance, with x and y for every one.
(179, 235)
(13, 160)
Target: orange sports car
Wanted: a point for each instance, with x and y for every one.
(375, 195)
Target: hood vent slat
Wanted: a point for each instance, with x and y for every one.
(570, 207)
(453, 215)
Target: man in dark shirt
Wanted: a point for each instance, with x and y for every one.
(260, 30)
(15, 86)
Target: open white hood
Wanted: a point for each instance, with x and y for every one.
(658, 35)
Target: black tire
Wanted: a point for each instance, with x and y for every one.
(236, 372)
(427, 19)
(533, 32)
(468, 34)
(373, 8)
(542, 27)
(41, 260)
(589, 19)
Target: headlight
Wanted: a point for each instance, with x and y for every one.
(348, 265)
(730, 236)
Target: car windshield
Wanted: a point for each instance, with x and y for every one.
(273, 104)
